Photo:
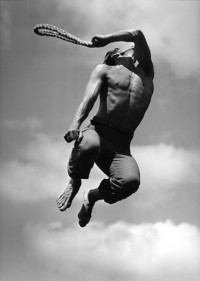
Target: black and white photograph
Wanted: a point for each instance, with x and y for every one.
(99, 140)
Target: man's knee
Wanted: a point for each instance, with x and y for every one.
(124, 187)
(133, 185)
(117, 189)
(89, 146)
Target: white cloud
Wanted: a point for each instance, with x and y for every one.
(40, 171)
(118, 252)
(164, 169)
(37, 173)
(173, 35)
(28, 124)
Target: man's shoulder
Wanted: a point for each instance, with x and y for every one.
(102, 67)
(101, 70)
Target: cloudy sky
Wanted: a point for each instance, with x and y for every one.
(155, 234)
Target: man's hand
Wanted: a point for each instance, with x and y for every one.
(100, 40)
(73, 135)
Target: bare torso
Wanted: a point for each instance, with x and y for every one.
(125, 96)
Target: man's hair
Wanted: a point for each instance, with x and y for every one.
(108, 59)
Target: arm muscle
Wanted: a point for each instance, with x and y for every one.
(92, 91)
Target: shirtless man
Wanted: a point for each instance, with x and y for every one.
(124, 83)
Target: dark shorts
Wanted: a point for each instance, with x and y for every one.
(109, 148)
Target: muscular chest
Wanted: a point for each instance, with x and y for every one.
(118, 78)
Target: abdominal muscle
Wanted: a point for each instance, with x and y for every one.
(124, 101)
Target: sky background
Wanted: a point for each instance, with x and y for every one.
(155, 234)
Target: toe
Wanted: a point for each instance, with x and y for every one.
(63, 204)
(64, 207)
(62, 197)
(59, 202)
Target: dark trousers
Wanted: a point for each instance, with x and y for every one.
(109, 148)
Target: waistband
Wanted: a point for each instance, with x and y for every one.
(100, 121)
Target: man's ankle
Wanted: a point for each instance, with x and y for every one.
(94, 196)
(76, 182)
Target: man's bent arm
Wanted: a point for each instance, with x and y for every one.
(130, 35)
(123, 35)
(91, 93)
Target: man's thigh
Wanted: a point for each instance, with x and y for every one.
(124, 167)
(90, 140)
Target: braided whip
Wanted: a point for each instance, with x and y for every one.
(53, 31)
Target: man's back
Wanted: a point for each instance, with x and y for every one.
(125, 96)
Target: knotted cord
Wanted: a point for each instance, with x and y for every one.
(53, 31)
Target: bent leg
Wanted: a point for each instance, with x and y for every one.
(124, 179)
(80, 163)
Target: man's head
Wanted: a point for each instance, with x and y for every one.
(109, 57)
(117, 55)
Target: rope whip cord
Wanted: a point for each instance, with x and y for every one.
(53, 31)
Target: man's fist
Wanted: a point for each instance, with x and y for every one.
(100, 40)
(71, 135)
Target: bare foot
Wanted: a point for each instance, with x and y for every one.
(85, 213)
(65, 199)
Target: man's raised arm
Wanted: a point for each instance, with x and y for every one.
(141, 47)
